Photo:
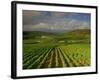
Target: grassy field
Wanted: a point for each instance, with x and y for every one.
(55, 50)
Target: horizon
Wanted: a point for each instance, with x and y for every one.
(57, 32)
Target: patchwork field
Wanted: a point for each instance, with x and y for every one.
(53, 50)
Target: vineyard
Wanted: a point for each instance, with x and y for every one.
(57, 56)
(56, 50)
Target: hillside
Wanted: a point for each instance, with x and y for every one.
(80, 31)
(75, 34)
(78, 34)
(34, 34)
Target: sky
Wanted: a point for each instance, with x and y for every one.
(54, 21)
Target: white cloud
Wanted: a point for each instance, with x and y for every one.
(63, 25)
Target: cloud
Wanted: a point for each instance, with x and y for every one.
(39, 26)
(33, 17)
(64, 25)
(84, 25)
(41, 20)
(31, 13)
(76, 24)
(29, 16)
(61, 14)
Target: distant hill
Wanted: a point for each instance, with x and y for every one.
(75, 34)
(78, 34)
(36, 33)
(33, 34)
(80, 31)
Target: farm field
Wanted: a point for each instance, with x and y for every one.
(53, 50)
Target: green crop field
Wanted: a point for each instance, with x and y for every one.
(53, 50)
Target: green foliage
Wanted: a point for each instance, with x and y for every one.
(52, 50)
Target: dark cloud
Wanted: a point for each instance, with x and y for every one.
(30, 16)
(39, 20)
(33, 17)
